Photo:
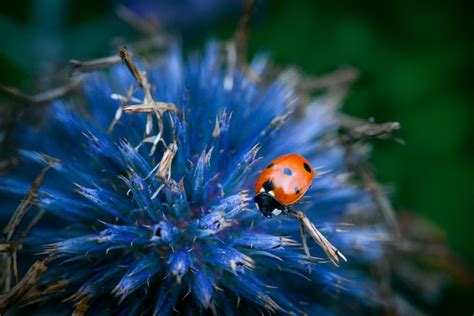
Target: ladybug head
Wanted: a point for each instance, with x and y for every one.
(269, 205)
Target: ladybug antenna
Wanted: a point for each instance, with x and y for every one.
(306, 225)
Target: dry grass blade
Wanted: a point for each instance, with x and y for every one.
(242, 32)
(81, 307)
(42, 97)
(91, 65)
(379, 197)
(6, 276)
(21, 288)
(25, 205)
(33, 222)
(339, 77)
(332, 252)
(9, 261)
(150, 107)
(36, 294)
(143, 25)
(10, 246)
(142, 80)
(164, 167)
(375, 130)
(8, 163)
(360, 130)
(128, 60)
(305, 242)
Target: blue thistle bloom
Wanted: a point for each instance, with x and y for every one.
(161, 223)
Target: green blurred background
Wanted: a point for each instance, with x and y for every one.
(416, 62)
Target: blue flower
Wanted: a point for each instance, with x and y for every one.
(152, 213)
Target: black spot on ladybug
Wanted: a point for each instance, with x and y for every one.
(297, 190)
(268, 186)
(287, 171)
(307, 167)
(158, 232)
(269, 166)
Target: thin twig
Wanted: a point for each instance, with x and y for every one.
(358, 129)
(384, 271)
(7, 275)
(8, 163)
(157, 108)
(36, 293)
(242, 32)
(15, 266)
(305, 242)
(92, 65)
(143, 25)
(357, 132)
(422, 249)
(42, 97)
(124, 99)
(150, 107)
(27, 282)
(164, 167)
(9, 263)
(33, 222)
(25, 205)
(142, 80)
(339, 77)
(332, 252)
(81, 307)
(10, 246)
(127, 58)
(384, 205)
(10, 260)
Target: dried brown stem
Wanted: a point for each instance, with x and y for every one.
(336, 78)
(305, 242)
(8, 163)
(421, 249)
(10, 259)
(358, 130)
(15, 266)
(27, 282)
(128, 60)
(94, 64)
(164, 167)
(306, 225)
(150, 107)
(7, 274)
(10, 246)
(42, 97)
(384, 205)
(81, 307)
(25, 205)
(143, 25)
(35, 294)
(33, 222)
(242, 32)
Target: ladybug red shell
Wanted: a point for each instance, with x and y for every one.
(282, 183)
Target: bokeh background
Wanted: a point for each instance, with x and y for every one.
(415, 58)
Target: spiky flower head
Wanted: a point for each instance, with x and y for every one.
(144, 195)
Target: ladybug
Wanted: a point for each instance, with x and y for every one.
(282, 183)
